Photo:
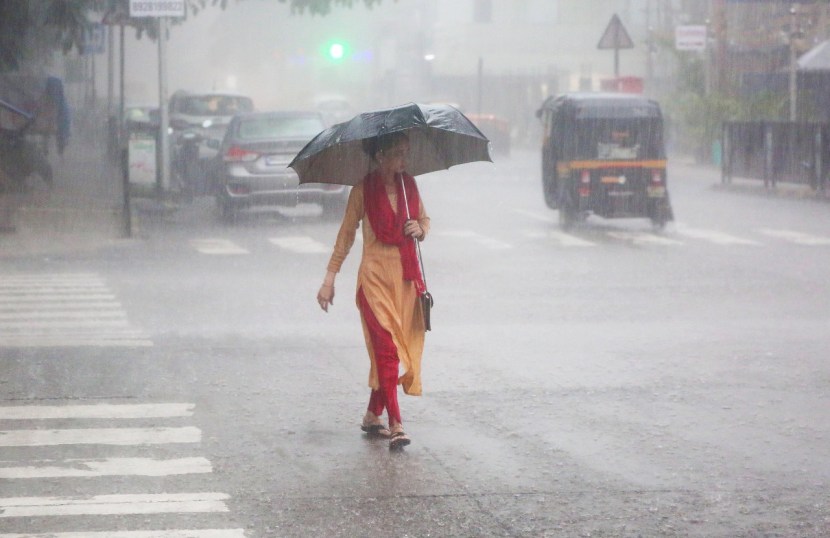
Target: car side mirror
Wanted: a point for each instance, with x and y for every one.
(539, 113)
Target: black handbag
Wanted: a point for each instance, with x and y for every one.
(426, 305)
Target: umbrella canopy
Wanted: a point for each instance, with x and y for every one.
(440, 136)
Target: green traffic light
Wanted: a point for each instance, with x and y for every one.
(336, 51)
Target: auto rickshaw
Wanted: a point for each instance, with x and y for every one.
(603, 153)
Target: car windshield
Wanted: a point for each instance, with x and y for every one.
(266, 127)
(216, 105)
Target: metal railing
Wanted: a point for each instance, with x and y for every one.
(775, 151)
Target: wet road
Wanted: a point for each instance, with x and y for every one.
(605, 382)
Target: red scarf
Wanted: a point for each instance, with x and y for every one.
(388, 225)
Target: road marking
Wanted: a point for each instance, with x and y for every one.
(29, 341)
(79, 468)
(54, 310)
(53, 324)
(101, 436)
(564, 239)
(798, 238)
(713, 236)
(159, 503)
(535, 216)
(63, 314)
(482, 240)
(53, 279)
(53, 299)
(40, 306)
(301, 244)
(102, 468)
(194, 533)
(217, 247)
(117, 411)
(640, 238)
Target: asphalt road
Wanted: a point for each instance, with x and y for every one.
(610, 381)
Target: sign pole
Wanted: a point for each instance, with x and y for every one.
(164, 151)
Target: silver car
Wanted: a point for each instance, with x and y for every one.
(252, 164)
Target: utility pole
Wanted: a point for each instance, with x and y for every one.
(721, 33)
(793, 65)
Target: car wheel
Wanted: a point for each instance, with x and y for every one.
(228, 212)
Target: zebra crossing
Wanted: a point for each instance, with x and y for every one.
(680, 235)
(58, 479)
(63, 309)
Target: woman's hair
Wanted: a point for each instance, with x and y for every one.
(373, 146)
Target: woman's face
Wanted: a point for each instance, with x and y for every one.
(394, 159)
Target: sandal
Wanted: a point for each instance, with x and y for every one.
(376, 430)
(398, 440)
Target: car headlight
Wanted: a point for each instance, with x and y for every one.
(207, 124)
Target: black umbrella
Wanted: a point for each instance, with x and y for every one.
(439, 137)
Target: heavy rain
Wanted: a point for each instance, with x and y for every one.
(213, 324)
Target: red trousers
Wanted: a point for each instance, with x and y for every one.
(386, 361)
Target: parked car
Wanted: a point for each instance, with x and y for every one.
(253, 162)
(334, 109)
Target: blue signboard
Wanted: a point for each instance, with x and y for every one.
(95, 38)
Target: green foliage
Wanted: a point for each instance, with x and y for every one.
(323, 7)
(698, 119)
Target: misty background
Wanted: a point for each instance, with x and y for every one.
(491, 57)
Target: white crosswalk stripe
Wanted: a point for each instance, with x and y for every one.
(301, 244)
(222, 247)
(798, 238)
(50, 484)
(481, 239)
(713, 236)
(642, 238)
(63, 309)
(561, 238)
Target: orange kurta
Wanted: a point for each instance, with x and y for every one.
(393, 301)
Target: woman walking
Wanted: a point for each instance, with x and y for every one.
(389, 280)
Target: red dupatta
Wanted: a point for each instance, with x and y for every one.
(388, 224)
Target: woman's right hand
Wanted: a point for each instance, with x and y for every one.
(325, 296)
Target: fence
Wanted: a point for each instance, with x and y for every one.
(777, 152)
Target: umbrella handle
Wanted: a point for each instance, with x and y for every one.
(417, 243)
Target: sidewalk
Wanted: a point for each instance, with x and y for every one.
(82, 212)
(752, 186)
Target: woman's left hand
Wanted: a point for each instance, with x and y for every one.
(413, 229)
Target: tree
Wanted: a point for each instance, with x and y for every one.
(50, 25)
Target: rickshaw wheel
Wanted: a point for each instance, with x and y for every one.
(567, 217)
(568, 214)
(659, 224)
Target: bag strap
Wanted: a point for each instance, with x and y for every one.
(417, 243)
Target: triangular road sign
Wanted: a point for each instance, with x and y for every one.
(615, 36)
